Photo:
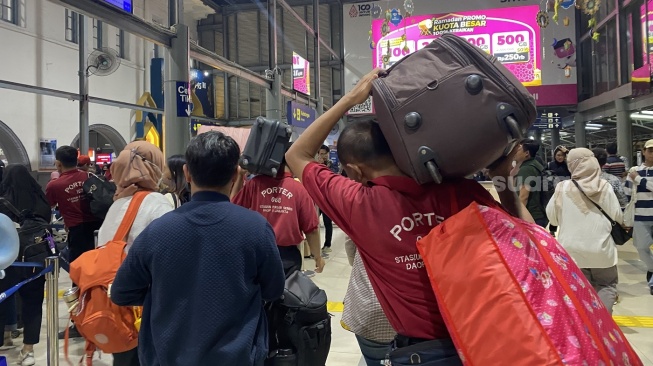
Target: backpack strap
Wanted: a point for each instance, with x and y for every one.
(11, 208)
(130, 216)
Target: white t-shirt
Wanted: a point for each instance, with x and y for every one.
(586, 236)
(154, 206)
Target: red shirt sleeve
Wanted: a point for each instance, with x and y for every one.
(244, 197)
(333, 193)
(50, 195)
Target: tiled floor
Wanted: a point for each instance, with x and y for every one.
(635, 301)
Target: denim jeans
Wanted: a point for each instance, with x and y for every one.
(373, 352)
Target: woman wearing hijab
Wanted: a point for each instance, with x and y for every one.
(22, 191)
(584, 230)
(139, 167)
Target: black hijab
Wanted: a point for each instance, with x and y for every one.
(24, 193)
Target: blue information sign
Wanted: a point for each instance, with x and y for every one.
(184, 102)
(300, 115)
(125, 5)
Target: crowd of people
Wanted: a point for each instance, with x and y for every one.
(210, 245)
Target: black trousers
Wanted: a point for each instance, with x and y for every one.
(81, 238)
(291, 258)
(328, 229)
(129, 358)
(31, 302)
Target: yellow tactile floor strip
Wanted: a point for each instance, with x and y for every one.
(634, 321)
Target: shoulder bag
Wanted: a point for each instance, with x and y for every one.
(619, 234)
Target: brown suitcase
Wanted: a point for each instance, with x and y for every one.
(450, 110)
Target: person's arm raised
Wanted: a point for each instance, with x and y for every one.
(303, 150)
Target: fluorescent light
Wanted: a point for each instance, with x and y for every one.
(647, 112)
(592, 128)
(641, 117)
(594, 125)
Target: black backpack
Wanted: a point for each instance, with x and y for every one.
(100, 193)
(299, 324)
(33, 236)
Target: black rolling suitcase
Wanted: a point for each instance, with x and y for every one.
(265, 147)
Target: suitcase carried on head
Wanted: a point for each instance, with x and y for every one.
(266, 145)
(450, 110)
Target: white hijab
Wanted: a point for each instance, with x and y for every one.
(586, 171)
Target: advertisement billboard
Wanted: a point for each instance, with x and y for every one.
(510, 34)
(543, 59)
(301, 80)
(103, 159)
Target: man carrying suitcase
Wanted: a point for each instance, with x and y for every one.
(286, 205)
(385, 212)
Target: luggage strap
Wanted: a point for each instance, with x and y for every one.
(130, 216)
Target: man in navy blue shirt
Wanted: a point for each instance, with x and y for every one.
(203, 271)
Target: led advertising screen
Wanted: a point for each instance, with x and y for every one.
(103, 159)
(510, 34)
(125, 5)
(301, 80)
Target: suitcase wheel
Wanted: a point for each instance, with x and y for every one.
(434, 172)
(427, 157)
(474, 84)
(513, 127)
(506, 115)
(413, 120)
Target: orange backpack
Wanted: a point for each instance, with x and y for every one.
(104, 325)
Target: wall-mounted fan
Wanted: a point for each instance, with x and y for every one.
(103, 62)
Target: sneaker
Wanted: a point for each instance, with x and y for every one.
(27, 359)
(7, 344)
(326, 249)
(73, 333)
(308, 273)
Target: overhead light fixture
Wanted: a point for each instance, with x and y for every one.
(592, 128)
(594, 125)
(641, 117)
(647, 112)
